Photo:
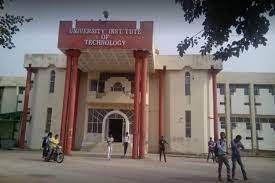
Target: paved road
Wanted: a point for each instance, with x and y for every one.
(27, 167)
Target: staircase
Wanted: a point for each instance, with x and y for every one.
(101, 147)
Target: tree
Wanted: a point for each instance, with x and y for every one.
(230, 27)
(9, 25)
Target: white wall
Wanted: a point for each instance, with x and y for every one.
(241, 130)
(178, 103)
(9, 100)
(267, 101)
(268, 135)
(237, 102)
(42, 99)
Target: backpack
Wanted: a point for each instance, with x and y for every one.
(44, 142)
(216, 149)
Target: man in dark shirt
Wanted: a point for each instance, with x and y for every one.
(162, 143)
(236, 145)
(211, 145)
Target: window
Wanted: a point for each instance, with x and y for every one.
(258, 126)
(93, 85)
(95, 119)
(48, 120)
(248, 126)
(239, 119)
(222, 88)
(117, 87)
(222, 121)
(188, 124)
(101, 86)
(21, 90)
(246, 90)
(187, 83)
(233, 125)
(52, 81)
(232, 89)
(257, 91)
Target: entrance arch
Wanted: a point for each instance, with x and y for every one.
(111, 117)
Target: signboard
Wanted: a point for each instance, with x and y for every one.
(105, 34)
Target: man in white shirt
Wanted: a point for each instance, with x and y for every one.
(110, 141)
(126, 143)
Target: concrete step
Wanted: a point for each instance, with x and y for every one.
(102, 148)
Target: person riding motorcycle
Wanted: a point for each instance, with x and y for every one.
(46, 144)
(53, 144)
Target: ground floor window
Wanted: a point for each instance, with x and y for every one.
(96, 117)
(188, 124)
(95, 120)
(49, 120)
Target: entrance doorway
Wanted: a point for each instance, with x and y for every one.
(115, 128)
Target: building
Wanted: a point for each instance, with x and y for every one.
(11, 94)
(11, 107)
(247, 107)
(110, 79)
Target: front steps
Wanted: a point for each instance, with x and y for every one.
(101, 147)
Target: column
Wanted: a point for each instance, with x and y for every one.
(25, 109)
(227, 114)
(161, 101)
(76, 108)
(72, 99)
(136, 106)
(215, 107)
(144, 55)
(65, 102)
(253, 117)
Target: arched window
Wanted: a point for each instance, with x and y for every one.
(52, 81)
(187, 83)
(117, 87)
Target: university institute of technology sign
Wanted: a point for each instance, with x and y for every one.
(105, 34)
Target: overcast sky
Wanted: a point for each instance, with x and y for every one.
(40, 36)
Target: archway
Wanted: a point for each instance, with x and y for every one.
(117, 123)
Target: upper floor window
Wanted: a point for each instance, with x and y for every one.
(97, 86)
(187, 83)
(52, 81)
(221, 88)
(117, 87)
(48, 120)
(21, 90)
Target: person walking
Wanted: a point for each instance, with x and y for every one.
(236, 145)
(126, 143)
(211, 145)
(222, 156)
(162, 143)
(110, 141)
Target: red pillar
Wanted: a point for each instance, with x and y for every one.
(136, 106)
(76, 108)
(144, 55)
(161, 103)
(72, 99)
(25, 109)
(65, 103)
(215, 109)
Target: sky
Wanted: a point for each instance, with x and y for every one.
(41, 35)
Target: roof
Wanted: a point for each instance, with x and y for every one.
(12, 81)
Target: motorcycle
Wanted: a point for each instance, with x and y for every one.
(56, 155)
